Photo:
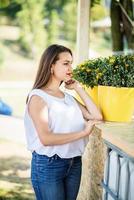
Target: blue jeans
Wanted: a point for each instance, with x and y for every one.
(55, 178)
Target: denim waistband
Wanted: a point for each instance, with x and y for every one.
(56, 157)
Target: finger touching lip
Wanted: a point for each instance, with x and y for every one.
(69, 82)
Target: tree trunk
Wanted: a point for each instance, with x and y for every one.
(128, 28)
(117, 34)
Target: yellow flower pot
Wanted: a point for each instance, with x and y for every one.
(93, 93)
(116, 104)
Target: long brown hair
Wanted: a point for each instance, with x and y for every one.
(49, 57)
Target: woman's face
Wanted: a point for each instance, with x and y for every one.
(62, 69)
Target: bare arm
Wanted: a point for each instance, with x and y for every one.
(87, 116)
(38, 111)
(90, 110)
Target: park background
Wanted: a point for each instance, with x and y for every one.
(26, 29)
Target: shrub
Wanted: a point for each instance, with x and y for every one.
(116, 70)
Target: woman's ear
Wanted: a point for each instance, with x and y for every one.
(52, 71)
(52, 68)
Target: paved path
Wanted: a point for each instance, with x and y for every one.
(12, 128)
(12, 137)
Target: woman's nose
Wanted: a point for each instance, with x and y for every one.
(70, 67)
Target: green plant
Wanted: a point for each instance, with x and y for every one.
(88, 72)
(116, 70)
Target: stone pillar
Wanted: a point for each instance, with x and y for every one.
(82, 30)
(93, 167)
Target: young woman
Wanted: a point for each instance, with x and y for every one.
(55, 127)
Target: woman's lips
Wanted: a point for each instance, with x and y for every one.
(69, 74)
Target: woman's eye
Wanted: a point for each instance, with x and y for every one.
(65, 63)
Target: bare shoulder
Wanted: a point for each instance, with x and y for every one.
(38, 111)
(36, 104)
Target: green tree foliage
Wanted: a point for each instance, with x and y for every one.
(69, 17)
(98, 12)
(63, 25)
(53, 16)
(30, 19)
(4, 3)
(8, 11)
(53, 27)
(94, 2)
(43, 22)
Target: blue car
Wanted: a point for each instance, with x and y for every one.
(5, 109)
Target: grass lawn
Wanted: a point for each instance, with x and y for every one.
(14, 172)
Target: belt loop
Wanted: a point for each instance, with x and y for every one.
(56, 156)
(71, 162)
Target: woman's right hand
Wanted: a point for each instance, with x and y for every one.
(89, 125)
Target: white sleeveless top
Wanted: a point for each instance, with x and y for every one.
(64, 116)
